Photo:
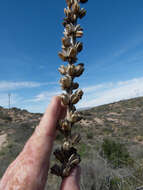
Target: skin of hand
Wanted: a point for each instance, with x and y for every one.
(29, 170)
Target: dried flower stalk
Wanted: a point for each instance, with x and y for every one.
(67, 154)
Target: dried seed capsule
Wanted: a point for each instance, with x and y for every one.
(65, 125)
(76, 96)
(74, 17)
(79, 69)
(72, 157)
(63, 55)
(66, 82)
(66, 42)
(82, 13)
(75, 162)
(79, 46)
(66, 171)
(74, 99)
(75, 117)
(71, 70)
(72, 52)
(56, 169)
(66, 145)
(65, 99)
(62, 69)
(59, 155)
(82, 1)
(69, 29)
(69, 3)
(75, 8)
(76, 138)
(75, 85)
(79, 33)
(77, 27)
(72, 151)
(67, 12)
(79, 93)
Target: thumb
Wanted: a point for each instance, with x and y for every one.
(72, 182)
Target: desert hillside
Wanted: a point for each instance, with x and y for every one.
(111, 145)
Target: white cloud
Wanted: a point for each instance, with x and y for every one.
(47, 95)
(8, 85)
(93, 95)
(110, 93)
(90, 89)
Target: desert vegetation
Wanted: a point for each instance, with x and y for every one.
(111, 146)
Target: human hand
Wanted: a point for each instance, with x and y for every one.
(29, 170)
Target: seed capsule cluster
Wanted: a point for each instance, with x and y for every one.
(67, 153)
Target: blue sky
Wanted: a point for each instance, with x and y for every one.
(30, 38)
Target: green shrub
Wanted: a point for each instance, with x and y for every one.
(116, 153)
(114, 183)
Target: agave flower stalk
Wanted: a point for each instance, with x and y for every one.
(67, 153)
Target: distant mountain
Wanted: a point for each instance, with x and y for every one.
(16, 115)
(120, 119)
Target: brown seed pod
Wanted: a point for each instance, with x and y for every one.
(69, 29)
(72, 157)
(75, 86)
(76, 138)
(62, 56)
(69, 3)
(65, 125)
(66, 171)
(79, 33)
(62, 69)
(74, 99)
(71, 70)
(82, 1)
(59, 155)
(56, 170)
(65, 99)
(75, 162)
(66, 42)
(72, 52)
(79, 46)
(75, 117)
(79, 69)
(66, 145)
(77, 28)
(76, 96)
(66, 82)
(76, 8)
(67, 12)
(79, 93)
